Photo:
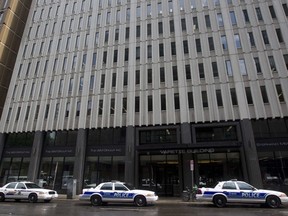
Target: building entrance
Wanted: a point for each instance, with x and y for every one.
(160, 173)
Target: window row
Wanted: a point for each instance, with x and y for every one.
(149, 103)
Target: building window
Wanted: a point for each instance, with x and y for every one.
(137, 104)
(279, 35)
(150, 103)
(211, 44)
(212, 134)
(251, 39)
(215, 69)
(280, 93)
(248, 95)
(163, 102)
(242, 66)
(220, 20)
(112, 106)
(264, 94)
(257, 65)
(207, 21)
(237, 41)
(224, 42)
(161, 50)
(173, 48)
(124, 105)
(158, 136)
(233, 96)
(183, 24)
(198, 45)
(137, 77)
(176, 101)
(175, 73)
(265, 37)
(67, 109)
(246, 16)
(272, 64)
(125, 78)
(229, 68)
(185, 47)
(286, 60)
(172, 29)
(272, 12)
(188, 71)
(201, 70)
(100, 107)
(204, 99)
(162, 74)
(259, 14)
(233, 18)
(190, 100)
(219, 97)
(114, 79)
(149, 76)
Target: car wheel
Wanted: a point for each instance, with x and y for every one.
(273, 201)
(96, 200)
(220, 201)
(32, 198)
(140, 201)
(2, 197)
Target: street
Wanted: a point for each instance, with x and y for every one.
(162, 208)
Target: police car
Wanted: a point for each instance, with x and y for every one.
(25, 190)
(234, 191)
(115, 191)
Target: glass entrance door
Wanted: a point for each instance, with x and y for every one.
(160, 174)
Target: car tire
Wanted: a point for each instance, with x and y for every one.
(96, 200)
(33, 198)
(219, 201)
(2, 197)
(273, 201)
(140, 201)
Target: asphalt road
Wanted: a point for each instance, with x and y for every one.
(162, 208)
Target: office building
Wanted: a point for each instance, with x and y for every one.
(149, 92)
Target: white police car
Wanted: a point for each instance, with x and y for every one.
(234, 191)
(117, 192)
(25, 190)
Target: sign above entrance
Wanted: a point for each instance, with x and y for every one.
(187, 151)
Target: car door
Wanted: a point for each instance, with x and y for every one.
(107, 192)
(248, 193)
(10, 190)
(122, 193)
(230, 190)
(21, 191)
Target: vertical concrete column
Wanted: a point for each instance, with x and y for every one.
(130, 155)
(186, 138)
(80, 153)
(2, 144)
(35, 157)
(251, 156)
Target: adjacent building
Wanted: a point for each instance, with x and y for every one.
(13, 15)
(157, 93)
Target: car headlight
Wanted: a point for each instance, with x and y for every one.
(150, 195)
(282, 195)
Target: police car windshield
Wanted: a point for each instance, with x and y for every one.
(129, 186)
(32, 185)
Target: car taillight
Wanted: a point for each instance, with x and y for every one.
(199, 191)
